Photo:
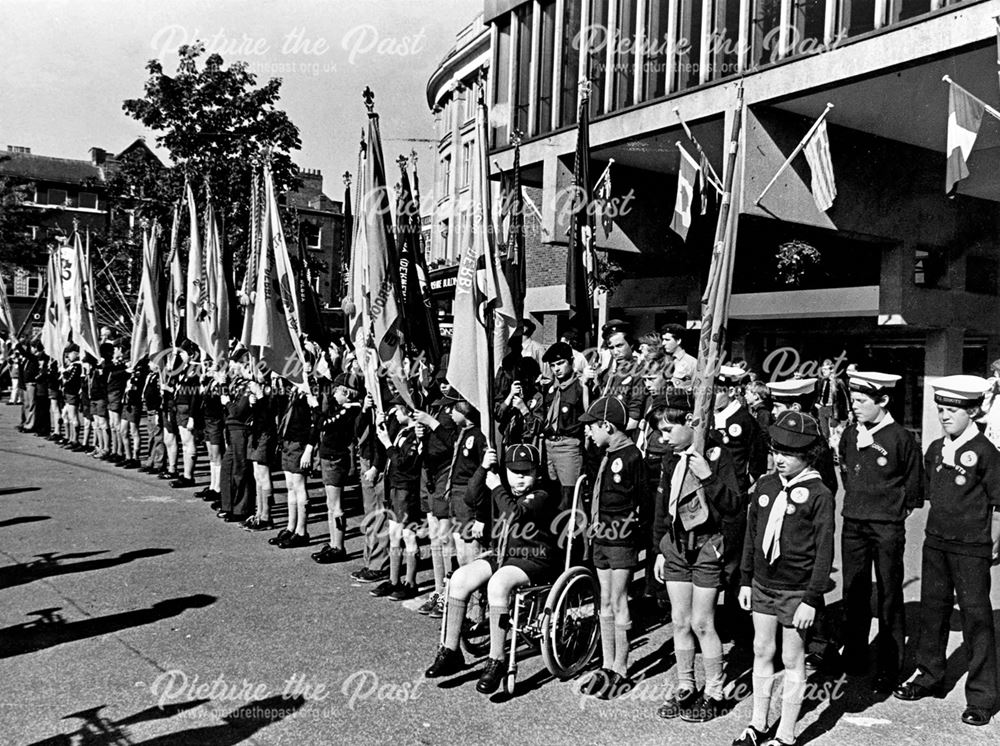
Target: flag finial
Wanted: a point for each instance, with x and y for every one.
(347, 178)
(402, 161)
(413, 157)
(516, 138)
(369, 96)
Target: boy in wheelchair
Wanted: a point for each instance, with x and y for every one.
(525, 554)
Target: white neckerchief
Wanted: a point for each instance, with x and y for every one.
(950, 446)
(676, 483)
(865, 433)
(722, 417)
(772, 531)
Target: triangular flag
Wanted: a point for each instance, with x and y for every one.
(687, 175)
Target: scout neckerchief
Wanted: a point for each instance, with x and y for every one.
(283, 427)
(772, 531)
(552, 416)
(722, 417)
(865, 433)
(676, 483)
(454, 458)
(615, 443)
(950, 446)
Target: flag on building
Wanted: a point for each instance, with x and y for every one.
(147, 325)
(55, 328)
(965, 116)
(174, 315)
(817, 150)
(484, 310)
(579, 255)
(276, 321)
(81, 302)
(687, 177)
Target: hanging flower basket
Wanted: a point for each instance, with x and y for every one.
(797, 261)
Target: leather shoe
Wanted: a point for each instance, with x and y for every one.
(328, 555)
(446, 663)
(975, 716)
(492, 676)
(913, 691)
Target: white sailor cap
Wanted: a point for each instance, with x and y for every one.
(872, 383)
(960, 391)
(793, 388)
(730, 375)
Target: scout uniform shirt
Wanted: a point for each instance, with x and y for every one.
(564, 402)
(882, 472)
(469, 499)
(619, 493)
(405, 460)
(336, 427)
(789, 540)
(963, 486)
(743, 439)
(623, 379)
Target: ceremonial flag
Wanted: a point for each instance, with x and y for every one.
(6, 315)
(81, 302)
(214, 304)
(309, 302)
(422, 334)
(484, 309)
(581, 229)
(196, 280)
(276, 321)
(687, 177)
(965, 116)
(817, 149)
(248, 290)
(55, 328)
(147, 326)
(511, 249)
(175, 281)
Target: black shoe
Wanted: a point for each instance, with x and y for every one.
(750, 737)
(279, 537)
(384, 589)
(216, 506)
(131, 464)
(258, 524)
(182, 483)
(975, 716)
(149, 470)
(404, 592)
(492, 676)
(707, 708)
(328, 555)
(295, 541)
(364, 575)
(171, 475)
(618, 686)
(205, 494)
(429, 604)
(913, 691)
(446, 663)
(223, 514)
(681, 700)
(236, 518)
(209, 496)
(596, 683)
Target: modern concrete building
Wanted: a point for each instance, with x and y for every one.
(902, 277)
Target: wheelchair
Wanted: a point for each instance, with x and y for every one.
(560, 619)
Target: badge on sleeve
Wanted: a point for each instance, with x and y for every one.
(712, 454)
(735, 430)
(882, 461)
(960, 480)
(968, 459)
(470, 441)
(616, 465)
(790, 509)
(763, 501)
(799, 495)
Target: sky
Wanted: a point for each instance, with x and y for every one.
(67, 65)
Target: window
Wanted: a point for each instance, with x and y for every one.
(546, 54)
(20, 282)
(623, 71)
(501, 82)
(34, 284)
(87, 200)
(654, 65)
(470, 104)
(466, 163)
(446, 175)
(569, 67)
(311, 235)
(597, 64)
(857, 16)
(57, 196)
(930, 266)
(689, 43)
(765, 23)
(725, 36)
(808, 25)
(522, 67)
(900, 10)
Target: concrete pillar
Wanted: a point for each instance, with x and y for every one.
(943, 353)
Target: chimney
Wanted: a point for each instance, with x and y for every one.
(19, 149)
(312, 177)
(97, 156)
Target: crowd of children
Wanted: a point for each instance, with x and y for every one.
(749, 517)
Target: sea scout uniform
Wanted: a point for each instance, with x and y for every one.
(564, 403)
(963, 488)
(882, 484)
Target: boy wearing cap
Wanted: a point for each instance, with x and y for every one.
(787, 559)
(695, 494)
(961, 541)
(565, 400)
(338, 411)
(525, 553)
(614, 531)
(799, 395)
(880, 464)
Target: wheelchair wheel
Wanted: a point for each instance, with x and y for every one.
(476, 635)
(571, 628)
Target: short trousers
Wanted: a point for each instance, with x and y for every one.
(72, 400)
(260, 447)
(215, 433)
(773, 602)
(538, 570)
(701, 566)
(434, 502)
(99, 407)
(335, 470)
(291, 457)
(133, 415)
(405, 505)
(169, 420)
(608, 557)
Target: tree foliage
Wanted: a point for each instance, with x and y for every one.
(17, 246)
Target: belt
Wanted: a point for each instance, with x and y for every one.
(557, 438)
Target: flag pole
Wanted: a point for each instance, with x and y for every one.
(798, 149)
(713, 177)
(989, 109)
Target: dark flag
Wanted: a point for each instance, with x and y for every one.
(581, 229)
(421, 330)
(312, 317)
(512, 259)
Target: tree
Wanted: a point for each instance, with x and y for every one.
(18, 247)
(215, 123)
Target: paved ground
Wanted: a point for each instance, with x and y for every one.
(130, 615)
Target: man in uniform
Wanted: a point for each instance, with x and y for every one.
(565, 399)
(622, 378)
(684, 365)
(880, 463)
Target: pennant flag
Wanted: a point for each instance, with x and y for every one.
(276, 321)
(687, 176)
(6, 314)
(147, 326)
(817, 150)
(81, 302)
(248, 290)
(422, 335)
(511, 250)
(965, 115)
(55, 328)
(581, 229)
(175, 282)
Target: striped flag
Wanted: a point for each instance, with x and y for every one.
(817, 151)
(687, 177)
(965, 115)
